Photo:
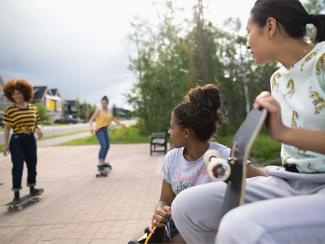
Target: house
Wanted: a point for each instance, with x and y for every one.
(70, 109)
(51, 99)
(4, 102)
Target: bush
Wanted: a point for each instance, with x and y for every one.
(43, 113)
(265, 150)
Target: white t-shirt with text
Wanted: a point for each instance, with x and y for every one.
(182, 174)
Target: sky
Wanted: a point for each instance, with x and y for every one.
(80, 46)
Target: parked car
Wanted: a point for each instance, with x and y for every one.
(67, 120)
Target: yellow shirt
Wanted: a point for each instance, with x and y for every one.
(103, 119)
(21, 120)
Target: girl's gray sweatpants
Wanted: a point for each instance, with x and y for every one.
(284, 207)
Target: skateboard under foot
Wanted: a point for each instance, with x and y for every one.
(103, 170)
(19, 205)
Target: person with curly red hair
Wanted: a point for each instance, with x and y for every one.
(23, 119)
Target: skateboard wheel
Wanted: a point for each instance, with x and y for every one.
(219, 169)
(209, 155)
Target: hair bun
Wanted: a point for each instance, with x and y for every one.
(205, 97)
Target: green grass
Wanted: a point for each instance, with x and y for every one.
(119, 136)
(1, 148)
(60, 135)
(265, 150)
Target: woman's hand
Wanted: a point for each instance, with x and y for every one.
(161, 216)
(5, 150)
(39, 132)
(92, 131)
(275, 126)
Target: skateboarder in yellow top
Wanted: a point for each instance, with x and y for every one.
(103, 118)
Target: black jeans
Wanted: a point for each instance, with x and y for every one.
(23, 148)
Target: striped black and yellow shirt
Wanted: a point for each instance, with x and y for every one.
(21, 120)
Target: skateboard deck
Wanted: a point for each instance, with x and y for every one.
(23, 202)
(233, 170)
(103, 170)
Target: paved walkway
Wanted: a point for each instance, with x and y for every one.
(77, 207)
(61, 139)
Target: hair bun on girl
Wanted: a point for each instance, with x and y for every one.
(205, 97)
(199, 111)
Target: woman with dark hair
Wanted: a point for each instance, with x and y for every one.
(21, 117)
(284, 204)
(193, 122)
(103, 118)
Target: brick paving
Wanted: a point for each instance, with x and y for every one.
(77, 207)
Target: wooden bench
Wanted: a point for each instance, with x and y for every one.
(158, 142)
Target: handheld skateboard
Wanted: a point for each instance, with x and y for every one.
(18, 205)
(155, 236)
(103, 170)
(233, 170)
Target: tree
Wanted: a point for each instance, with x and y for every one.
(168, 60)
(84, 109)
(313, 7)
(43, 113)
(161, 65)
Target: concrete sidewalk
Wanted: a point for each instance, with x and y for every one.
(61, 139)
(77, 207)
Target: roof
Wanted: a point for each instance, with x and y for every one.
(55, 92)
(39, 92)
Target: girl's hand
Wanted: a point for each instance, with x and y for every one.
(161, 216)
(274, 123)
(92, 131)
(5, 150)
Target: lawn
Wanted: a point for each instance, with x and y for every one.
(119, 136)
(61, 135)
(265, 151)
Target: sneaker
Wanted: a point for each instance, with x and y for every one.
(16, 200)
(107, 165)
(36, 192)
